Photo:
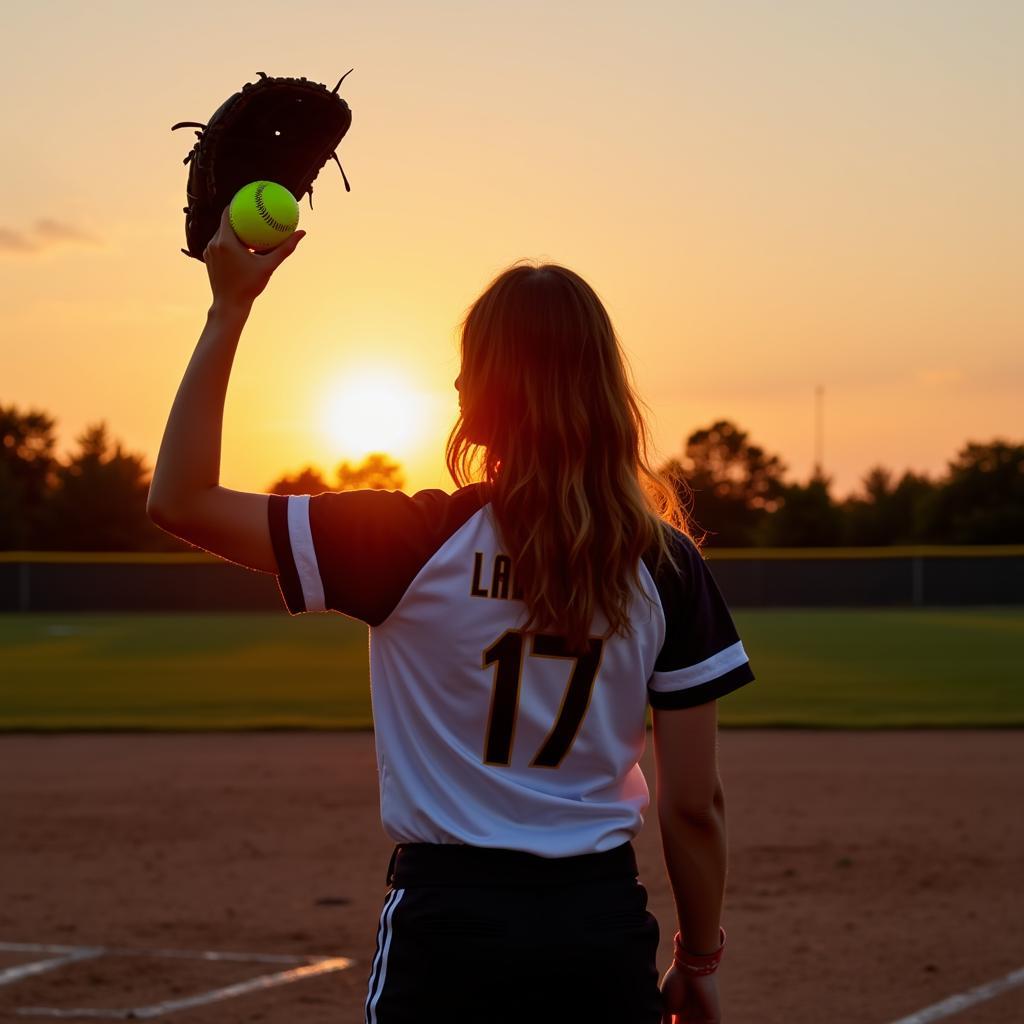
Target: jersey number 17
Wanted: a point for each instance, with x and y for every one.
(506, 654)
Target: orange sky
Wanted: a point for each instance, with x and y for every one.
(766, 196)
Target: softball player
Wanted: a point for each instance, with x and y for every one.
(507, 750)
(519, 629)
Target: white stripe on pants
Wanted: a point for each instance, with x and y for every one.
(380, 962)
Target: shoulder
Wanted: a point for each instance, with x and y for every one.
(688, 558)
(430, 512)
(356, 551)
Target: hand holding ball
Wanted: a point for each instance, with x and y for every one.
(263, 214)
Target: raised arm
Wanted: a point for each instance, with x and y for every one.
(185, 496)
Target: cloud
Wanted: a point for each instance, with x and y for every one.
(55, 231)
(46, 234)
(15, 241)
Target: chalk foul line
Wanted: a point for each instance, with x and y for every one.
(962, 1000)
(309, 966)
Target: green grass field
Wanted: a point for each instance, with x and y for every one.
(815, 668)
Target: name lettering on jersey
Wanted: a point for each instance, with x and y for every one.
(501, 581)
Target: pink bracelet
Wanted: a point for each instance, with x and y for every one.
(694, 964)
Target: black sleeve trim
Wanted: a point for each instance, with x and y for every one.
(287, 575)
(691, 696)
(371, 544)
(698, 623)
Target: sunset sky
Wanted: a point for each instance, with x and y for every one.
(767, 196)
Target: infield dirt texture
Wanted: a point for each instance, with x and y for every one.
(871, 874)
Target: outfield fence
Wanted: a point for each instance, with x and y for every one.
(61, 581)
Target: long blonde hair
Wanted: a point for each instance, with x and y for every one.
(548, 411)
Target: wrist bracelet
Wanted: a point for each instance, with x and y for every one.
(693, 963)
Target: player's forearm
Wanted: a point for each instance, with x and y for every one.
(695, 856)
(189, 459)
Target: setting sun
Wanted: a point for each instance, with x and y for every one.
(374, 411)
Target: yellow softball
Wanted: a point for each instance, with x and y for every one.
(263, 214)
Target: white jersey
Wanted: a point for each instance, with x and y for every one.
(486, 735)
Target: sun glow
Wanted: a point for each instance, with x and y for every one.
(375, 410)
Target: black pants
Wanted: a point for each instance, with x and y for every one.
(482, 936)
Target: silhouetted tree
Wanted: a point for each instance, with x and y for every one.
(735, 484)
(98, 502)
(735, 493)
(376, 471)
(865, 514)
(805, 516)
(16, 531)
(884, 513)
(306, 481)
(981, 500)
(908, 507)
(27, 464)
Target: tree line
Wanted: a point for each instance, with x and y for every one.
(740, 495)
(736, 494)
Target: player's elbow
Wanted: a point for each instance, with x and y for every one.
(168, 506)
(162, 513)
(170, 520)
(692, 806)
(153, 511)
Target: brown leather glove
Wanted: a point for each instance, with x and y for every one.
(277, 129)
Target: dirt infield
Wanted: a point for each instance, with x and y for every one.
(870, 874)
